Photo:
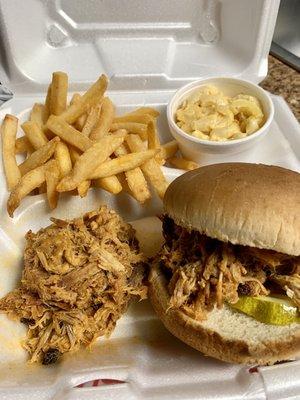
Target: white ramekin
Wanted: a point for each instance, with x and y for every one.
(204, 151)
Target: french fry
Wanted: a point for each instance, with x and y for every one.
(22, 145)
(122, 179)
(106, 117)
(59, 92)
(135, 179)
(143, 110)
(123, 163)
(52, 176)
(34, 134)
(75, 98)
(89, 160)
(68, 133)
(132, 127)
(63, 159)
(8, 132)
(150, 168)
(91, 120)
(74, 154)
(140, 118)
(79, 123)
(182, 163)
(153, 140)
(37, 114)
(46, 114)
(47, 103)
(89, 99)
(111, 184)
(83, 188)
(30, 181)
(39, 157)
(169, 149)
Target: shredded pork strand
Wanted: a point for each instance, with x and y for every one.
(79, 277)
(204, 272)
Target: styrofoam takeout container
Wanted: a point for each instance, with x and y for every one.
(148, 49)
(209, 152)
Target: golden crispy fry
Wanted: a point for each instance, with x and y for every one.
(91, 120)
(69, 134)
(169, 149)
(143, 110)
(106, 117)
(122, 179)
(39, 157)
(63, 158)
(33, 179)
(83, 188)
(8, 132)
(135, 180)
(74, 154)
(110, 184)
(132, 127)
(52, 175)
(123, 163)
(46, 114)
(47, 104)
(182, 163)
(49, 135)
(150, 168)
(75, 98)
(88, 100)
(22, 145)
(153, 140)
(89, 160)
(79, 123)
(38, 115)
(140, 118)
(59, 93)
(34, 134)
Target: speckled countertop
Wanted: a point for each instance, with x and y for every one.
(284, 81)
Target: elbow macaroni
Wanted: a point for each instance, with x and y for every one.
(209, 114)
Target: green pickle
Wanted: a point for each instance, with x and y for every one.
(267, 309)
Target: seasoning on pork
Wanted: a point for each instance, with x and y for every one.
(79, 277)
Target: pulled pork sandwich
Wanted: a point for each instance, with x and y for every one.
(79, 277)
(227, 279)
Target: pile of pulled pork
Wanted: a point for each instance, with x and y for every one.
(204, 272)
(79, 277)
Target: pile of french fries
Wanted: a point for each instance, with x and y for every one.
(72, 147)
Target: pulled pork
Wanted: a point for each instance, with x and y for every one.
(205, 272)
(79, 277)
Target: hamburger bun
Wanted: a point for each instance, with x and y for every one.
(245, 204)
(248, 204)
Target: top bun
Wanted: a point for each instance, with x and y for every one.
(248, 204)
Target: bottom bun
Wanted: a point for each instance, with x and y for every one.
(226, 335)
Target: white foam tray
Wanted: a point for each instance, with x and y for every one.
(154, 364)
(140, 44)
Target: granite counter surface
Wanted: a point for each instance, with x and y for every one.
(284, 81)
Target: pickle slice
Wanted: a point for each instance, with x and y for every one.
(267, 309)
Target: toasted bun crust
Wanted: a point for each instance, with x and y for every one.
(226, 335)
(247, 204)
